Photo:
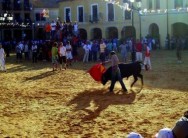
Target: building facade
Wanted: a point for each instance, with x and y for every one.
(121, 19)
(16, 18)
(24, 19)
(44, 11)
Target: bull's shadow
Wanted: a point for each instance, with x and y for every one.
(94, 101)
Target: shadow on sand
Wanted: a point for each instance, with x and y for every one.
(40, 76)
(95, 101)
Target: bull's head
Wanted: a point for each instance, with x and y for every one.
(103, 79)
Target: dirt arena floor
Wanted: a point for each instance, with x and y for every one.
(36, 102)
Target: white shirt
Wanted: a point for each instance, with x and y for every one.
(21, 46)
(2, 53)
(62, 51)
(86, 48)
(53, 26)
(26, 48)
(75, 27)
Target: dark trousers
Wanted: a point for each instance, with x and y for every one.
(116, 74)
(34, 57)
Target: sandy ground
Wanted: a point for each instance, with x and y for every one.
(38, 103)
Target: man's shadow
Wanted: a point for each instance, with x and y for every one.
(93, 102)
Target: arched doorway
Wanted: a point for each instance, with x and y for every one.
(83, 34)
(111, 33)
(128, 32)
(96, 33)
(154, 30)
(179, 29)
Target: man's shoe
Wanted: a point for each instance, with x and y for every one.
(124, 90)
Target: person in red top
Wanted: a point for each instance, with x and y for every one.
(147, 61)
(48, 31)
(138, 50)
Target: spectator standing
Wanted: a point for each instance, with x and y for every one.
(86, 48)
(62, 56)
(75, 48)
(138, 51)
(69, 53)
(109, 48)
(179, 50)
(54, 56)
(2, 58)
(18, 53)
(75, 29)
(133, 52)
(53, 29)
(102, 51)
(34, 52)
(21, 45)
(123, 48)
(48, 29)
(147, 61)
(26, 50)
(94, 50)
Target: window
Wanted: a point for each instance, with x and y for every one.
(149, 4)
(6, 5)
(110, 12)
(94, 13)
(39, 17)
(67, 15)
(17, 4)
(157, 4)
(178, 3)
(80, 14)
(26, 5)
(27, 18)
(18, 18)
(127, 14)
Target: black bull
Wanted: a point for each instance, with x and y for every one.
(126, 71)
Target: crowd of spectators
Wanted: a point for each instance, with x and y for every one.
(87, 50)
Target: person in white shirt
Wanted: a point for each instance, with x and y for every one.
(75, 29)
(26, 51)
(86, 48)
(34, 52)
(62, 56)
(2, 58)
(69, 53)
